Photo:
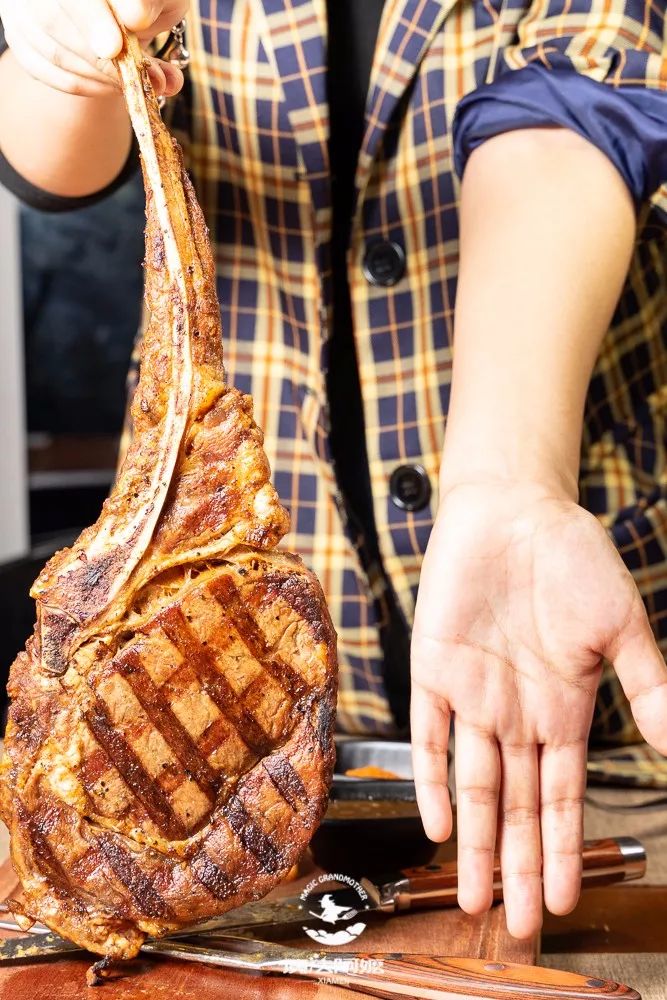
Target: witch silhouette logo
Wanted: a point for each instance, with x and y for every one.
(336, 911)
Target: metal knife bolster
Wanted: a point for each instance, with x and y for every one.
(632, 858)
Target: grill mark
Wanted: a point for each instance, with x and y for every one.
(306, 600)
(216, 735)
(29, 730)
(133, 772)
(47, 863)
(217, 687)
(212, 877)
(92, 769)
(254, 696)
(285, 780)
(251, 836)
(324, 727)
(139, 885)
(228, 597)
(96, 791)
(99, 801)
(86, 866)
(161, 715)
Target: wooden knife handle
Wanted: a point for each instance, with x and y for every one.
(419, 976)
(615, 859)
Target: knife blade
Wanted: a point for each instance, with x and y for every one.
(36, 945)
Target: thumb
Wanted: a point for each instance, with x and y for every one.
(642, 672)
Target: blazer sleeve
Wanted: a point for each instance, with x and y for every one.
(600, 70)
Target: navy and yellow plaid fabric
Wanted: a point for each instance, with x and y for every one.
(253, 120)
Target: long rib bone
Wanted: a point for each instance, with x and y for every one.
(83, 589)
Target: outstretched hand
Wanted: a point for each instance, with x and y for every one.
(521, 596)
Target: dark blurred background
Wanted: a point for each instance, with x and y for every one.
(82, 287)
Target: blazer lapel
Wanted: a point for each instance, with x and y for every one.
(295, 37)
(406, 31)
(295, 34)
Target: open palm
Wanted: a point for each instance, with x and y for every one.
(521, 596)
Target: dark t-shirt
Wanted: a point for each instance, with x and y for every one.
(352, 28)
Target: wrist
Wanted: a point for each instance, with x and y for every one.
(492, 481)
(504, 466)
(509, 439)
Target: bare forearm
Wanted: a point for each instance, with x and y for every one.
(547, 228)
(66, 144)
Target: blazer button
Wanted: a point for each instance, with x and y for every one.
(384, 263)
(410, 487)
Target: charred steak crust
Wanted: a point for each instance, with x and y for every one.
(170, 739)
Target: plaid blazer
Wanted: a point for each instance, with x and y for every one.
(253, 121)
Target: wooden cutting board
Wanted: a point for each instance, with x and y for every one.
(443, 932)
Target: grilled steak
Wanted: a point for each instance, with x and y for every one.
(170, 746)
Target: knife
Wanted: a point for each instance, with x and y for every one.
(615, 859)
(431, 886)
(396, 974)
(378, 974)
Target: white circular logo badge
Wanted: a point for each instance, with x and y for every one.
(336, 911)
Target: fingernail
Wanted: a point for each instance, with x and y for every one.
(157, 78)
(174, 79)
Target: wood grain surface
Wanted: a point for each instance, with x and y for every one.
(444, 932)
(647, 973)
(620, 919)
(648, 824)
